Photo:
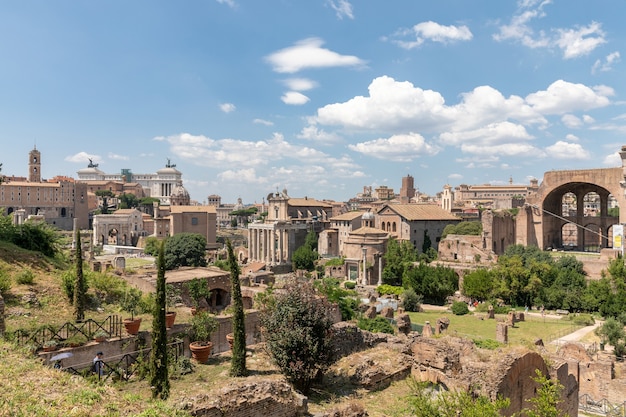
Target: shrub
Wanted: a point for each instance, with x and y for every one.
(387, 289)
(349, 285)
(379, 324)
(25, 277)
(5, 281)
(459, 308)
(411, 301)
(487, 344)
(108, 287)
(582, 319)
(297, 334)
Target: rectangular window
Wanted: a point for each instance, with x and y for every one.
(194, 221)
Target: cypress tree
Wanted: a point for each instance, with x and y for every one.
(159, 379)
(238, 362)
(80, 286)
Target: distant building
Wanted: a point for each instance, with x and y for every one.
(160, 185)
(59, 202)
(285, 228)
(414, 222)
(407, 191)
(494, 196)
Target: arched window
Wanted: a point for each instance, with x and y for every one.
(394, 227)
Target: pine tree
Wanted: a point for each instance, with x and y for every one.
(159, 379)
(238, 363)
(80, 286)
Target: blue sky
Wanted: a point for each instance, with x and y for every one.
(321, 97)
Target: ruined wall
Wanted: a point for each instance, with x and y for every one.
(249, 398)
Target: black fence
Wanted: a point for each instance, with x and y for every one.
(38, 337)
(123, 367)
(601, 407)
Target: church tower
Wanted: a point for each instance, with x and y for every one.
(34, 165)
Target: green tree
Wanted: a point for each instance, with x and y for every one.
(474, 228)
(304, 258)
(547, 398)
(36, 236)
(611, 331)
(297, 333)
(311, 240)
(345, 299)
(159, 378)
(238, 361)
(105, 195)
(80, 285)
(398, 258)
(152, 245)
(185, 249)
(478, 284)
(128, 201)
(434, 283)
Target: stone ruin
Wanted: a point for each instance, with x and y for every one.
(454, 363)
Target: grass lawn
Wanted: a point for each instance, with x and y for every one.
(523, 333)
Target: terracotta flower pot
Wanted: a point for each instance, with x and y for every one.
(132, 325)
(170, 317)
(201, 351)
(230, 338)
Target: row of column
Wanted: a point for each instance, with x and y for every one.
(268, 245)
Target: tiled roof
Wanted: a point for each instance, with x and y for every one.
(420, 212)
(193, 209)
(307, 202)
(368, 231)
(351, 215)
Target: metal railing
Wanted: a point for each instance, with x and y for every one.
(601, 407)
(123, 367)
(112, 325)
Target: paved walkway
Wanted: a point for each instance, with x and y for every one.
(577, 335)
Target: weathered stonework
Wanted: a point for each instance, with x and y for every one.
(249, 398)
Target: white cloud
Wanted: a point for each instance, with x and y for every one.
(507, 149)
(229, 3)
(294, 98)
(607, 65)
(243, 176)
(83, 157)
(571, 121)
(263, 122)
(402, 148)
(567, 150)
(574, 43)
(455, 176)
(613, 160)
(300, 84)
(563, 97)
(588, 119)
(572, 138)
(312, 133)
(580, 42)
(342, 8)
(117, 157)
(490, 135)
(226, 153)
(308, 53)
(434, 32)
(227, 107)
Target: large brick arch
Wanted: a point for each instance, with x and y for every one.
(513, 379)
(539, 223)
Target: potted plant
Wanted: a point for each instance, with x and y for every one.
(129, 304)
(172, 297)
(203, 324)
(230, 338)
(50, 345)
(76, 340)
(100, 336)
(199, 293)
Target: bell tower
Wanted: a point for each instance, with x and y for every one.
(34, 165)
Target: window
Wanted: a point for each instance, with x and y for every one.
(194, 221)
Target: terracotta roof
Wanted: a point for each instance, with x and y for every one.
(420, 212)
(351, 215)
(125, 211)
(368, 231)
(193, 209)
(307, 202)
